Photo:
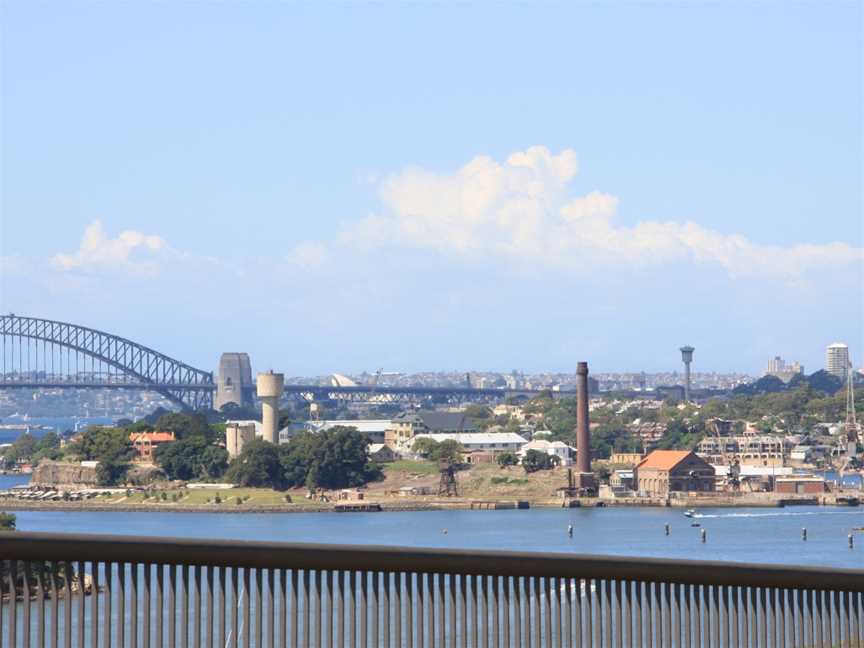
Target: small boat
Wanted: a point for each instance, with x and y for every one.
(695, 524)
(689, 513)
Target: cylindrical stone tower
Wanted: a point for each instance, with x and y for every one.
(269, 386)
(583, 440)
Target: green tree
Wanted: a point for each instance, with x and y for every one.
(30, 448)
(611, 437)
(111, 472)
(478, 412)
(155, 415)
(535, 460)
(507, 459)
(234, 412)
(449, 451)
(258, 466)
(192, 458)
(186, 424)
(47, 447)
(334, 458)
(7, 522)
(824, 382)
(104, 444)
(424, 446)
(679, 436)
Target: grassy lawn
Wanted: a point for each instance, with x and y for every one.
(415, 467)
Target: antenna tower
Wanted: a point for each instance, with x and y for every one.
(848, 443)
(853, 431)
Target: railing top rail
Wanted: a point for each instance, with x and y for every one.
(225, 553)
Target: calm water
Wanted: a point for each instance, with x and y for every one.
(57, 424)
(8, 481)
(744, 535)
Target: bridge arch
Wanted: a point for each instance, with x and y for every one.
(182, 384)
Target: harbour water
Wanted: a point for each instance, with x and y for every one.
(741, 535)
(39, 426)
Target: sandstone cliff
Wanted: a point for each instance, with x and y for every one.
(55, 473)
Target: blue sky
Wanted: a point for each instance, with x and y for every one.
(340, 187)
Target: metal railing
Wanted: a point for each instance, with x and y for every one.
(78, 590)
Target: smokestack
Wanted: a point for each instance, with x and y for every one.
(583, 440)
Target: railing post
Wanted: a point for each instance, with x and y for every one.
(82, 599)
(463, 611)
(259, 600)
(397, 607)
(145, 634)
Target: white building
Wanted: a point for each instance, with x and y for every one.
(837, 360)
(480, 441)
(566, 454)
(372, 428)
(778, 367)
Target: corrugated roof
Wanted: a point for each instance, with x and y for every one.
(475, 438)
(664, 459)
(438, 421)
(361, 425)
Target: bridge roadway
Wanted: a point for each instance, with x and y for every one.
(34, 346)
(307, 390)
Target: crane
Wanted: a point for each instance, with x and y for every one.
(847, 442)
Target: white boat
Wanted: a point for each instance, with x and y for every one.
(689, 513)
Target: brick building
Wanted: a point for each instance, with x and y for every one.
(666, 471)
(145, 444)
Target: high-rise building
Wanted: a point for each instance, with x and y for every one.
(777, 367)
(837, 360)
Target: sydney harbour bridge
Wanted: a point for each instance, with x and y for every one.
(47, 354)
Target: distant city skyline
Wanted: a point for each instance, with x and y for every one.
(435, 187)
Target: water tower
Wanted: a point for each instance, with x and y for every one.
(687, 357)
(270, 386)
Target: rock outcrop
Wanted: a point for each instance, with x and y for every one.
(56, 473)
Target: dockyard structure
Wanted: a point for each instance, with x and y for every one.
(625, 458)
(748, 450)
(667, 471)
(649, 432)
(800, 485)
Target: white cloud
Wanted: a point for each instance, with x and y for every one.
(308, 255)
(131, 252)
(13, 265)
(520, 211)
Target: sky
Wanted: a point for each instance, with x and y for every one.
(340, 187)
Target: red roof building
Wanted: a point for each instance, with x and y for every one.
(145, 444)
(666, 471)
